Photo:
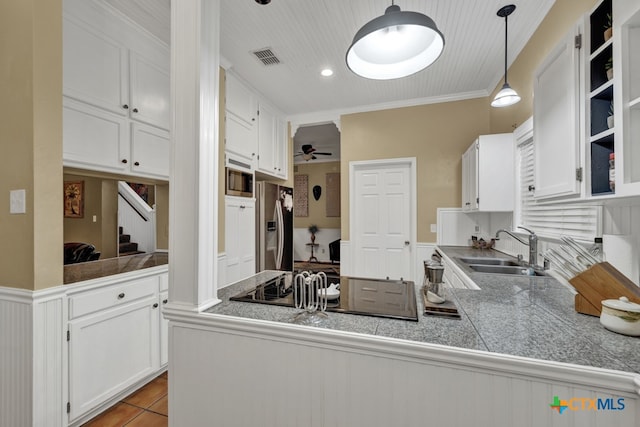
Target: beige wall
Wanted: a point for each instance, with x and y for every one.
(435, 134)
(162, 216)
(560, 19)
(31, 137)
(317, 208)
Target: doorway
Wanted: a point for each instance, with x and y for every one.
(383, 218)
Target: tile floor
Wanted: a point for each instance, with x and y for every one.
(147, 407)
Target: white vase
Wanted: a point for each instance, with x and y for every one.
(609, 73)
(610, 121)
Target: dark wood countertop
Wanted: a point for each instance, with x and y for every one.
(108, 267)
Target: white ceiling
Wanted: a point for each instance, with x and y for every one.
(309, 35)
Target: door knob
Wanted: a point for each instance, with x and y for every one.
(407, 243)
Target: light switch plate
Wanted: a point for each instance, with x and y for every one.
(17, 201)
(434, 228)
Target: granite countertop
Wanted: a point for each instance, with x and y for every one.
(108, 267)
(529, 316)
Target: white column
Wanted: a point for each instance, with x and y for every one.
(193, 209)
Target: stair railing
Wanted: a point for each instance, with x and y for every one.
(137, 218)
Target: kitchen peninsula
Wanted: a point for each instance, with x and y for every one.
(519, 334)
(529, 316)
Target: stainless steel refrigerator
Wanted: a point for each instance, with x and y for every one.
(274, 227)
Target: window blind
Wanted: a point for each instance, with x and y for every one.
(552, 220)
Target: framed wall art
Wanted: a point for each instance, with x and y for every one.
(73, 199)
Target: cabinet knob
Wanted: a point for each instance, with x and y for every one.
(242, 206)
(531, 187)
(137, 164)
(120, 296)
(164, 301)
(125, 106)
(135, 110)
(124, 160)
(155, 305)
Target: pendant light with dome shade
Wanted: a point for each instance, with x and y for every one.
(506, 96)
(396, 44)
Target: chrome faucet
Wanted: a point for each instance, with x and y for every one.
(532, 243)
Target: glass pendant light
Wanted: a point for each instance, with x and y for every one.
(506, 96)
(394, 45)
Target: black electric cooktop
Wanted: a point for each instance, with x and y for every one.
(370, 297)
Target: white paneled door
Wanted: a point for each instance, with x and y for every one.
(382, 225)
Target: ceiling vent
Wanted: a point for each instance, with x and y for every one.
(266, 56)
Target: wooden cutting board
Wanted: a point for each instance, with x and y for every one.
(600, 282)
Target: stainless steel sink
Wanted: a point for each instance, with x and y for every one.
(488, 261)
(506, 269)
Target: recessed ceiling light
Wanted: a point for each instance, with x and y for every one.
(327, 72)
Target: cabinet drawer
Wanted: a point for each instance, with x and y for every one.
(112, 296)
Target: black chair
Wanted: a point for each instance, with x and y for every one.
(334, 251)
(75, 252)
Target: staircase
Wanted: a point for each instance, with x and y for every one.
(125, 245)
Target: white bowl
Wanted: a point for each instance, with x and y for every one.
(332, 292)
(621, 316)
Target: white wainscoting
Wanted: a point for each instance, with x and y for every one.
(16, 350)
(32, 357)
(231, 371)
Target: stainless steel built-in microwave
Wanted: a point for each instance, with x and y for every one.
(238, 183)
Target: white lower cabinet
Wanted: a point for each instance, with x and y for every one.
(115, 340)
(164, 331)
(164, 323)
(240, 237)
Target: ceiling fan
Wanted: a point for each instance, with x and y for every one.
(309, 153)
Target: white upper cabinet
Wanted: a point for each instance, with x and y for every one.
(626, 66)
(116, 103)
(94, 68)
(488, 174)
(470, 198)
(557, 124)
(267, 134)
(272, 142)
(94, 138)
(255, 130)
(241, 125)
(240, 100)
(150, 87)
